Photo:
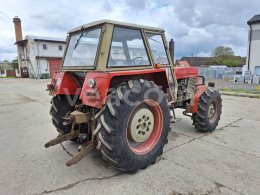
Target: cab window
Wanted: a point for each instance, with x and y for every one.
(127, 48)
(157, 48)
(82, 49)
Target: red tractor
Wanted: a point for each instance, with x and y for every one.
(117, 91)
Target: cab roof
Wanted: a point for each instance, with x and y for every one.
(101, 22)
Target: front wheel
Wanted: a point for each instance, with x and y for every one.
(134, 126)
(209, 110)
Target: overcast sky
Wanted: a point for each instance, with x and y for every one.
(197, 26)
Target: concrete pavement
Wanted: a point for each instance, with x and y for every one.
(226, 161)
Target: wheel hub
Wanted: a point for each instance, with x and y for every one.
(142, 125)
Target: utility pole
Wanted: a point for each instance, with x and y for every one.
(191, 59)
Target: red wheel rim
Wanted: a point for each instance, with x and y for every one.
(152, 140)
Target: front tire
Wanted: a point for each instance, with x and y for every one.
(133, 127)
(209, 110)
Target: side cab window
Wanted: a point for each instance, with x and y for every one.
(157, 48)
(127, 48)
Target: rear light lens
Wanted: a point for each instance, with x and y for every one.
(91, 83)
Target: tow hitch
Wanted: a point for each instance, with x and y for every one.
(76, 118)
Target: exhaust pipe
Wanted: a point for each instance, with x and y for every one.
(171, 49)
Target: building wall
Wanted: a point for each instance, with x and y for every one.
(52, 49)
(31, 52)
(8, 73)
(254, 58)
(37, 57)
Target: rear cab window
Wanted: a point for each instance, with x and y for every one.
(82, 49)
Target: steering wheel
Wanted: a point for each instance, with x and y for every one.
(140, 62)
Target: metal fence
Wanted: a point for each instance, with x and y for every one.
(220, 72)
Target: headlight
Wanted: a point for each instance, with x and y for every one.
(91, 83)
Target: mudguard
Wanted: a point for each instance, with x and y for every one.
(96, 96)
(199, 90)
(185, 72)
(65, 83)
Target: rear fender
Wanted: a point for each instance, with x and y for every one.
(96, 97)
(199, 90)
(65, 83)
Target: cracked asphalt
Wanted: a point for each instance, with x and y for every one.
(226, 161)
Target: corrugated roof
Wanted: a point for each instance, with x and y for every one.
(99, 22)
(254, 20)
(48, 39)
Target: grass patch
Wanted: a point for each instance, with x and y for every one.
(7, 77)
(227, 89)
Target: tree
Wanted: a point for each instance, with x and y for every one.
(15, 64)
(222, 51)
(231, 61)
(225, 56)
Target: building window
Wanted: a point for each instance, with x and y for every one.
(60, 47)
(44, 46)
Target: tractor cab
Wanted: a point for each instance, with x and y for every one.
(116, 46)
(109, 45)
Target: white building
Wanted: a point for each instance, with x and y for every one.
(41, 55)
(253, 56)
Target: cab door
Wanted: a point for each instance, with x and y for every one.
(160, 55)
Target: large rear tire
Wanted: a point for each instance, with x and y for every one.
(209, 110)
(134, 125)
